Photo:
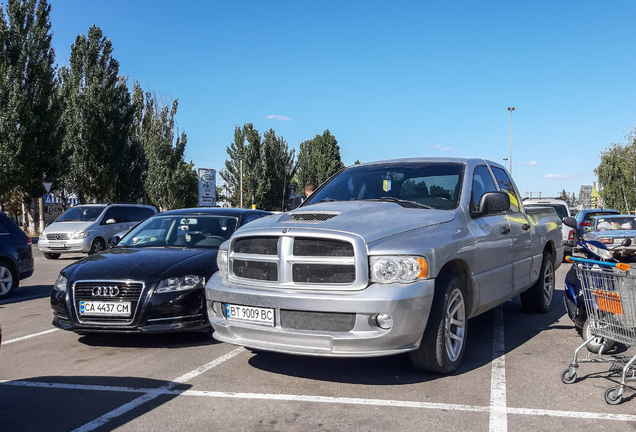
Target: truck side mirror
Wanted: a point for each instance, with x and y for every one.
(494, 202)
(569, 221)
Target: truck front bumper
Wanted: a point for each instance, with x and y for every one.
(311, 333)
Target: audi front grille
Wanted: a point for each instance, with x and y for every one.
(110, 291)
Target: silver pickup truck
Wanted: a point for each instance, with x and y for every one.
(385, 258)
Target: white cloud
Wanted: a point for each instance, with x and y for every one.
(558, 176)
(278, 117)
(439, 147)
(533, 163)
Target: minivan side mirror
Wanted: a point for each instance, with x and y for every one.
(110, 221)
(569, 221)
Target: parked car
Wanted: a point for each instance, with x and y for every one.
(153, 280)
(563, 210)
(612, 230)
(385, 258)
(583, 218)
(16, 256)
(86, 228)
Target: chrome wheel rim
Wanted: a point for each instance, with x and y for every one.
(455, 325)
(548, 283)
(6, 280)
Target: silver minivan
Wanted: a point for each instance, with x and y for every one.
(86, 228)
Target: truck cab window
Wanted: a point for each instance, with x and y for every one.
(482, 183)
(505, 184)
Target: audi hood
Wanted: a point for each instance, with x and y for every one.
(144, 264)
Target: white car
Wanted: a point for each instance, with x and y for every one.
(563, 210)
(87, 228)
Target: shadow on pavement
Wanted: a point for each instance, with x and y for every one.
(147, 340)
(64, 403)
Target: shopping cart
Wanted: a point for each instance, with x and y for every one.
(609, 292)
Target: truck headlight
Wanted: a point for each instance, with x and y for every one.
(60, 283)
(81, 235)
(401, 269)
(179, 284)
(221, 262)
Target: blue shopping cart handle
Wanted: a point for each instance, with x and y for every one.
(621, 266)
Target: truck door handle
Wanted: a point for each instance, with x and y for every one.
(525, 226)
(505, 230)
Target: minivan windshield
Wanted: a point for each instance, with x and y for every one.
(410, 184)
(81, 213)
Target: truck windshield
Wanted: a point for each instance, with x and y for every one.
(423, 184)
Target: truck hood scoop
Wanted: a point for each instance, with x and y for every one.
(311, 216)
(371, 220)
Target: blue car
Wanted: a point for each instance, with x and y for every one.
(16, 256)
(584, 218)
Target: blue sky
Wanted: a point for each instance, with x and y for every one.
(388, 79)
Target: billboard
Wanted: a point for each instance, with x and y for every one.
(207, 187)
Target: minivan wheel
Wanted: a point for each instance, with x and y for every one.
(8, 280)
(51, 255)
(97, 246)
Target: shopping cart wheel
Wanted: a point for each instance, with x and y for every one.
(567, 377)
(612, 396)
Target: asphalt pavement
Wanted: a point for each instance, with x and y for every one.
(53, 380)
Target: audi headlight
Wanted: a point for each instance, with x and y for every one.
(221, 262)
(400, 269)
(81, 235)
(60, 283)
(179, 284)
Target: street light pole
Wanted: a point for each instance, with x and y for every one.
(511, 109)
(505, 159)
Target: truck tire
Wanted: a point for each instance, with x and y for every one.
(538, 298)
(444, 340)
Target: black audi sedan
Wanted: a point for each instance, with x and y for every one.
(16, 256)
(153, 279)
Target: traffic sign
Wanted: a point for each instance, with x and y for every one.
(47, 186)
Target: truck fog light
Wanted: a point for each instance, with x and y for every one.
(384, 321)
(214, 306)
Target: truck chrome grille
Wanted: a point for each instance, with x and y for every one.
(299, 260)
(317, 321)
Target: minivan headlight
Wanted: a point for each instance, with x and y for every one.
(42, 236)
(60, 283)
(179, 284)
(400, 269)
(81, 235)
(221, 262)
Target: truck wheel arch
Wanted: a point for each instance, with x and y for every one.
(460, 268)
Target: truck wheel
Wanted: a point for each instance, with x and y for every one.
(538, 298)
(444, 340)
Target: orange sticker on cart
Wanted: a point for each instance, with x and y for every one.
(609, 301)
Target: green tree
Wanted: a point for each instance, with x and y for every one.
(615, 175)
(98, 116)
(318, 159)
(244, 167)
(170, 182)
(278, 168)
(29, 117)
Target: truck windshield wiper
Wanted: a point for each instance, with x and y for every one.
(404, 203)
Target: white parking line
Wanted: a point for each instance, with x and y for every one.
(498, 416)
(164, 390)
(154, 394)
(29, 336)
